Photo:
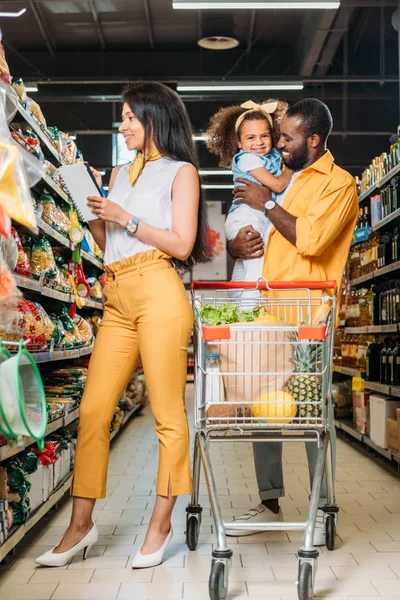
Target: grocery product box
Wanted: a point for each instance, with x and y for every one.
(36, 491)
(361, 411)
(381, 408)
(48, 482)
(392, 434)
(57, 472)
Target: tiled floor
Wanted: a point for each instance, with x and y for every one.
(366, 563)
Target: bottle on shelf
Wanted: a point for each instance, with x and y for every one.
(365, 219)
(395, 245)
(372, 362)
(396, 363)
(383, 361)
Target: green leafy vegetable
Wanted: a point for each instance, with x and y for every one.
(225, 314)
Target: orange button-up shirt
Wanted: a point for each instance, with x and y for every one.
(324, 200)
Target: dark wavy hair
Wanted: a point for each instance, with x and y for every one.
(223, 137)
(163, 115)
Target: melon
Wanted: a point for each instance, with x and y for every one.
(276, 408)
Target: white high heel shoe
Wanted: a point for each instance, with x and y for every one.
(144, 561)
(52, 559)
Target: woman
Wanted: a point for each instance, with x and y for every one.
(154, 211)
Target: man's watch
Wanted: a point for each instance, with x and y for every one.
(132, 226)
(270, 204)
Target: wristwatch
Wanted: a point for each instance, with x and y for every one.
(132, 226)
(270, 204)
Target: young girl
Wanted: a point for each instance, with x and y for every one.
(254, 131)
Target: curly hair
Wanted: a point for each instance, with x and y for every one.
(221, 134)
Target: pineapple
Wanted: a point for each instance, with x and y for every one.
(305, 387)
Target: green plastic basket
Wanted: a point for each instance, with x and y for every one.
(21, 388)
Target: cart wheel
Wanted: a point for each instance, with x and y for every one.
(216, 585)
(192, 532)
(330, 532)
(305, 582)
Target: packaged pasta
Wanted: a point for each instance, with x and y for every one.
(19, 87)
(23, 267)
(49, 326)
(42, 260)
(53, 215)
(70, 326)
(96, 291)
(58, 331)
(84, 329)
(33, 328)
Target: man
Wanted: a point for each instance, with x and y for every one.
(313, 226)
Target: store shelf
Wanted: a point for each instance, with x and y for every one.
(394, 215)
(9, 451)
(40, 132)
(347, 371)
(33, 285)
(379, 184)
(19, 533)
(377, 387)
(348, 427)
(374, 329)
(376, 274)
(56, 188)
(388, 176)
(377, 448)
(367, 193)
(64, 241)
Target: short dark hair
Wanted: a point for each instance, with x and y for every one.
(316, 117)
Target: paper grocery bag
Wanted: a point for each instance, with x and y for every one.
(256, 360)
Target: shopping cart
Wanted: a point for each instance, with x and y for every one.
(267, 380)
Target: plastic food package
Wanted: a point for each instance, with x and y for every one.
(29, 325)
(29, 141)
(42, 260)
(4, 69)
(15, 195)
(7, 283)
(23, 267)
(53, 215)
(70, 326)
(96, 291)
(19, 87)
(9, 251)
(58, 331)
(49, 326)
(36, 111)
(84, 329)
(69, 148)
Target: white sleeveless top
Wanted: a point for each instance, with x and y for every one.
(149, 199)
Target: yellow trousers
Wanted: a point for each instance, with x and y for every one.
(147, 312)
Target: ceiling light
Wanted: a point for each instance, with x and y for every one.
(31, 88)
(200, 138)
(239, 87)
(255, 4)
(13, 14)
(215, 172)
(217, 186)
(218, 42)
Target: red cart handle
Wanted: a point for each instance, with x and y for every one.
(264, 285)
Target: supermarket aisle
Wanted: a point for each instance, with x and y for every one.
(365, 564)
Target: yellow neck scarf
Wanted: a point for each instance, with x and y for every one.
(137, 166)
